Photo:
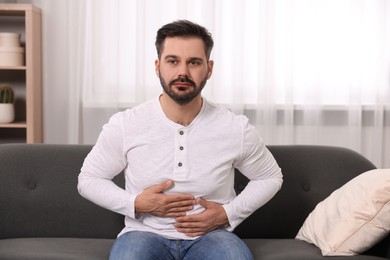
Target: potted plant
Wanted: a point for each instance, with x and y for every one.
(7, 99)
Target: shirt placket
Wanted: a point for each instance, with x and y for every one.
(181, 155)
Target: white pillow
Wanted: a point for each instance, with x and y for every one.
(353, 218)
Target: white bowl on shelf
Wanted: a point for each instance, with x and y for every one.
(9, 39)
(11, 56)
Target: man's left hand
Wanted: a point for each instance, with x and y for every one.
(213, 217)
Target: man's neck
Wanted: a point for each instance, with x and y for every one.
(181, 114)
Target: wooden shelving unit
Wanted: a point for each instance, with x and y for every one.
(26, 80)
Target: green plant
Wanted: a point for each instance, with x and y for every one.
(7, 94)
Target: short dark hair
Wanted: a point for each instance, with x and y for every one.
(184, 28)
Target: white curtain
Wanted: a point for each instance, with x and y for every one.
(303, 71)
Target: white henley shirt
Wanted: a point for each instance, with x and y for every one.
(200, 159)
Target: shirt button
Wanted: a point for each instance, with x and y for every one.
(181, 132)
(180, 164)
(181, 148)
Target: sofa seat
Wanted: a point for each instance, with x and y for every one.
(55, 248)
(292, 249)
(96, 249)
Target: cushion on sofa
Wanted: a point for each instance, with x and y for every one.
(353, 218)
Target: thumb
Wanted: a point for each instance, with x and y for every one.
(204, 203)
(158, 188)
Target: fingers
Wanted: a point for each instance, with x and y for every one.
(178, 211)
(204, 203)
(180, 205)
(213, 217)
(177, 214)
(166, 205)
(182, 199)
(158, 188)
(176, 205)
(193, 225)
(179, 200)
(155, 202)
(194, 229)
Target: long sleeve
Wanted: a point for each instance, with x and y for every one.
(265, 176)
(105, 161)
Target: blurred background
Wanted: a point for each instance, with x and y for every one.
(303, 71)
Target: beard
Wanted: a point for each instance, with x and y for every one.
(183, 97)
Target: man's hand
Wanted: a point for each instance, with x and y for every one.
(154, 202)
(213, 217)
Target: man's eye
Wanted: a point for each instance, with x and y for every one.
(172, 61)
(195, 63)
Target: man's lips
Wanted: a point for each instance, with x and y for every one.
(182, 85)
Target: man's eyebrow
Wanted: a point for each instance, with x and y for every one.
(195, 59)
(170, 56)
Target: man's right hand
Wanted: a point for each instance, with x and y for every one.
(154, 202)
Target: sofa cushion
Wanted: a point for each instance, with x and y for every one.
(353, 218)
(55, 248)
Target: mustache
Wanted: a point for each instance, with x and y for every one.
(182, 79)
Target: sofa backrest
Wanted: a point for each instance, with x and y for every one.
(39, 198)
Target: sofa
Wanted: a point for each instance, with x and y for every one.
(42, 216)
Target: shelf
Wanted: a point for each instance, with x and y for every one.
(17, 9)
(26, 80)
(12, 68)
(14, 125)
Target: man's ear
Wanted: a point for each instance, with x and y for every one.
(210, 65)
(157, 67)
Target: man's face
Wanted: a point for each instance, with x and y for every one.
(183, 68)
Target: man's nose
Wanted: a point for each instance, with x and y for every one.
(183, 71)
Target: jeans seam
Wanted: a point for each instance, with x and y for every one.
(178, 249)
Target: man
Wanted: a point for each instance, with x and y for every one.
(178, 153)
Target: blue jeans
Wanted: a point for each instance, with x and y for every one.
(218, 244)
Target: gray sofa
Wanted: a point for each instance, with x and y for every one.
(42, 216)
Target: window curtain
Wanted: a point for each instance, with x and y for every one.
(304, 71)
